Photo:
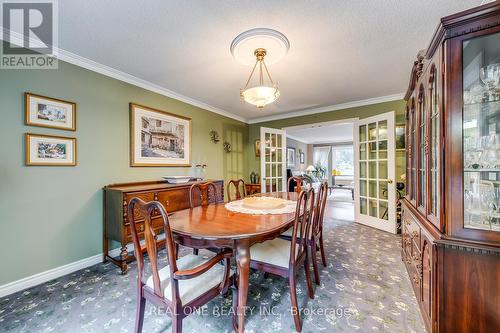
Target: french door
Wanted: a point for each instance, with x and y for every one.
(375, 171)
(272, 160)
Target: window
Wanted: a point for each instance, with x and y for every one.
(343, 160)
(320, 158)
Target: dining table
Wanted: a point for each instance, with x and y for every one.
(216, 227)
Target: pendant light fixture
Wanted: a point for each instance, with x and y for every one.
(262, 94)
(260, 89)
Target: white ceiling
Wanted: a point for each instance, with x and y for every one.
(340, 51)
(322, 133)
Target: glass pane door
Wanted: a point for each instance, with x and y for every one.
(375, 174)
(481, 132)
(273, 162)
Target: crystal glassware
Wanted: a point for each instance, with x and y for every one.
(490, 76)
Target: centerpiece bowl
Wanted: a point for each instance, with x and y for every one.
(263, 203)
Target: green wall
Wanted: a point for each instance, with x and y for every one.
(52, 216)
(360, 112)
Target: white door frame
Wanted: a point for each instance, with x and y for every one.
(390, 224)
(264, 176)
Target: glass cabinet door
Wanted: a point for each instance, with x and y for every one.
(481, 132)
(422, 147)
(434, 144)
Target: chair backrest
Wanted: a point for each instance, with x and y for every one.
(137, 207)
(299, 181)
(302, 225)
(202, 190)
(236, 184)
(319, 209)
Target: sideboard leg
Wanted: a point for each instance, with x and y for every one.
(124, 257)
(105, 249)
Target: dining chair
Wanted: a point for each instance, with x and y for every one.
(316, 233)
(316, 239)
(199, 194)
(298, 181)
(282, 257)
(236, 185)
(185, 283)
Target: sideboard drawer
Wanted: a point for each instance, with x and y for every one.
(174, 200)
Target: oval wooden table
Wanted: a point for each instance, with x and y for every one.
(216, 227)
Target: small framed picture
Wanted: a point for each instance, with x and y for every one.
(159, 138)
(400, 136)
(50, 150)
(49, 112)
(257, 148)
(290, 157)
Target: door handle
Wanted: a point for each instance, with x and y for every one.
(389, 181)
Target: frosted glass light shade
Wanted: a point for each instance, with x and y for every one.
(260, 96)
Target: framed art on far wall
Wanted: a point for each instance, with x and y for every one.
(400, 136)
(257, 148)
(290, 157)
(159, 138)
(50, 150)
(49, 112)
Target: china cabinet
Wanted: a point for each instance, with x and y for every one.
(451, 212)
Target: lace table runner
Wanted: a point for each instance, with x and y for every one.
(237, 206)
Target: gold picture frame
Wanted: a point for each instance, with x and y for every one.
(43, 111)
(50, 150)
(159, 138)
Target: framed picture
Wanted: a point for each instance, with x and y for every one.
(400, 136)
(49, 112)
(50, 150)
(159, 138)
(290, 157)
(302, 157)
(257, 148)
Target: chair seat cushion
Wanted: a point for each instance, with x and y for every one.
(288, 232)
(189, 289)
(275, 252)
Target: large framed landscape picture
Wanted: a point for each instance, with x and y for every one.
(50, 150)
(49, 112)
(159, 138)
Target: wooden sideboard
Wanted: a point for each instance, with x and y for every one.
(173, 197)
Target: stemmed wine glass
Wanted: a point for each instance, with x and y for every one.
(490, 76)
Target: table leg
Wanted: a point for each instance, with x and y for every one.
(243, 265)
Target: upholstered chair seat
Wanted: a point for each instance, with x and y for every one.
(192, 288)
(274, 252)
(288, 233)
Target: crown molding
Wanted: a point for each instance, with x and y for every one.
(335, 107)
(296, 138)
(94, 66)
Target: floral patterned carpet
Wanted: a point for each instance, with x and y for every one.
(365, 288)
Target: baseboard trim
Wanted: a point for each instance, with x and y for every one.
(54, 273)
(57, 272)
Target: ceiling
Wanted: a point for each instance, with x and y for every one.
(340, 51)
(322, 133)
